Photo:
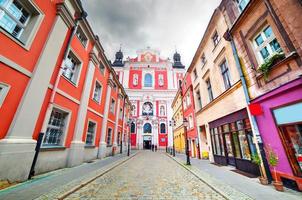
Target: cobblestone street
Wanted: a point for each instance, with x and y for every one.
(148, 175)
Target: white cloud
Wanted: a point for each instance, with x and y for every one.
(160, 24)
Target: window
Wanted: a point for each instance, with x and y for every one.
(147, 128)
(266, 44)
(118, 140)
(132, 129)
(242, 4)
(162, 111)
(121, 113)
(199, 99)
(97, 94)
(195, 74)
(109, 137)
(112, 105)
(102, 68)
(215, 38)
(3, 92)
(203, 59)
(19, 19)
(209, 88)
(191, 123)
(162, 128)
(71, 68)
(225, 74)
(90, 133)
(148, 80)
(55, 128)
(81, 36)
(188, 99)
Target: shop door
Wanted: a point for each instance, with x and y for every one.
(229, 149)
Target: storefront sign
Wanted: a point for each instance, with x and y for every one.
(255, 109)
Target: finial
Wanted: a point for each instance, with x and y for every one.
(121, 47)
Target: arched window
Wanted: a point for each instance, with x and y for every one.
(132, 127)
(147, 128)
(162, 128)
(148, 80)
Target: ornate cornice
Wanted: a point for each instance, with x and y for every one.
(110, 82)
(93, 58)
(64, 13)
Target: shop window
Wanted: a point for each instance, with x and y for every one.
(81, 36)
(109, 137)
(20, 19)
(55, 129)
(97, 93)
(242, 4)
(228, 144)
(3, 92)
(225, 74)
(266, 44)
(244, 146)
(71, 68)
(90, 133)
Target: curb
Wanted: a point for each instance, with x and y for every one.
(74, 189)
(212, 186)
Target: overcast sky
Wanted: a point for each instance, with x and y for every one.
(160, 24)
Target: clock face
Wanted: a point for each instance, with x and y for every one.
(148, 57)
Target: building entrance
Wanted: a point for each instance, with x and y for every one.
(147, 142)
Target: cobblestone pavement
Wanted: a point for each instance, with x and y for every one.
(148, 175)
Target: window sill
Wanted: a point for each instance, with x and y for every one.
(87, 146)
(72, 83)
(52, 148)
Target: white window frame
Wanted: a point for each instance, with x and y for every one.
(94, 133)
(3, 92)
(266, 43)
(110, 143)
(101, 92)
(65, 130)
(112, 108)
(241, 1)
(31, 26)
(82, 34)
(78, 70)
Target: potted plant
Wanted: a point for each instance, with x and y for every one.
(269, 63)
(257, 160)
(273, 161)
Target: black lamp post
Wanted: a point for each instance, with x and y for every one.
(185, 123)
(129, 138)
(172, 124)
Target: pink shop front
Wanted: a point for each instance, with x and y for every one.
(280, 125)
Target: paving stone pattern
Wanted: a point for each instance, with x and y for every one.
(148, 175)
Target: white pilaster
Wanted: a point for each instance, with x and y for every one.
(17, 149)
(103, 145)
(117, 116)
(76, 151)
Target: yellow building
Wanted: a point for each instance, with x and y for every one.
(178, 130)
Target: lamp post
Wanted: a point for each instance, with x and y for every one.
(185, 123)
(172, 124)
(129, 138)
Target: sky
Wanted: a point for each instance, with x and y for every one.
(164, 25)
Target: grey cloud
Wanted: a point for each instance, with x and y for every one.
(161, 24)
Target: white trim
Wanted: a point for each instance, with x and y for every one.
(3, 93)
(79, 66)
(66, 128)
(95, 131)
(111, 121)
(95, 112)
(15, 66)
(61, 92)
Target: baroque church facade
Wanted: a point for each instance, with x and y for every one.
(151, 83)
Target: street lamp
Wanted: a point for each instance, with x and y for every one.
(186, 124)
(129, 122)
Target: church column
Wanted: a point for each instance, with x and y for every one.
(103, 144)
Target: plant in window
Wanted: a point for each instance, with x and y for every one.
(273, 161)
(269, 63)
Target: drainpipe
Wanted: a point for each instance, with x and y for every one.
(82, 16)
(256, 134)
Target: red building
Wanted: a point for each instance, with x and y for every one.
(60, 84)
(189, 114)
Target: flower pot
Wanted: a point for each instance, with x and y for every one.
(278, 186)
(263, 180)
